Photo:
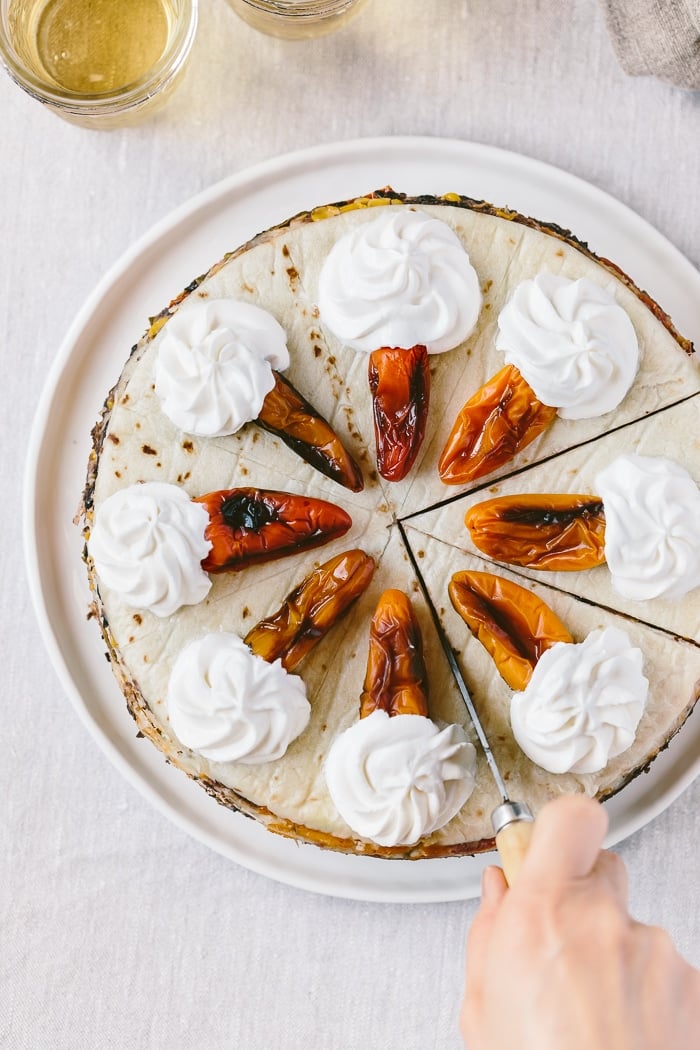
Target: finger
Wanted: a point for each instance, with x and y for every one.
(566, 841)
(493, 889)
(611, 870)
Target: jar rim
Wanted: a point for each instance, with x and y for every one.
(301, 9)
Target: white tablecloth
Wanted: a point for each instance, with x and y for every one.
(116, 928)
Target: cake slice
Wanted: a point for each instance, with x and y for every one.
(672, 434)
(671, 665)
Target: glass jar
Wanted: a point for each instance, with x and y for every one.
(296, 19)
(98, 63)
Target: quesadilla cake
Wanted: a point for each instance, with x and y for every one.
(526, 412)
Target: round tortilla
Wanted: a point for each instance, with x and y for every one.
(134, 441)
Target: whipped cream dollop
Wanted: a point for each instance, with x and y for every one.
(147, 542)
(232, 706)
(401, 279)
(214, 365)
(395, 779)
(652, 527)
(583, 703)
(571, 342)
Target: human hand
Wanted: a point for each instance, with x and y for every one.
(556, 962)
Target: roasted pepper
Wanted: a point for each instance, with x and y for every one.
(249, 526)
(396, 679)
(494, 425)
(540, 531)
(399, 381)
(311, 609)
(512, 623)
(296, 422)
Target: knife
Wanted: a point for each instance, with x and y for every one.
(512, 821)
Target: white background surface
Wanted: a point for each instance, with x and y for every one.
(116, 928)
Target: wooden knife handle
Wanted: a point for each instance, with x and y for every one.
(513, 842)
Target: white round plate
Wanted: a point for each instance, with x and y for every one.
(142, 282)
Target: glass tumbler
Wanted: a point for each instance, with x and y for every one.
(98, 63)
(296, 19)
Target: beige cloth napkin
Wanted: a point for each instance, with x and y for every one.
(658, 38)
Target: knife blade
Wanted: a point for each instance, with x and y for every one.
(511, 820)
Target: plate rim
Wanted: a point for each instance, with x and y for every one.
(454, 886)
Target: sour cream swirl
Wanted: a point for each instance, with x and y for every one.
(214, 365)
(395, 779)
(401, 279)
(147, 543)
(652, 527)
(232, 706)
(571, 342)
(583, 703)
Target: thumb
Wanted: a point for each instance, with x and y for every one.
(493, 889)
(566, 841)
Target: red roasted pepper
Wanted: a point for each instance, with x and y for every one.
(250, 526)
(399, 381)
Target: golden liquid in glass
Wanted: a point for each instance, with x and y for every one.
(90, 47)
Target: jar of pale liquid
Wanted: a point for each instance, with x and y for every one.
(296, 19)
(100, 63)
